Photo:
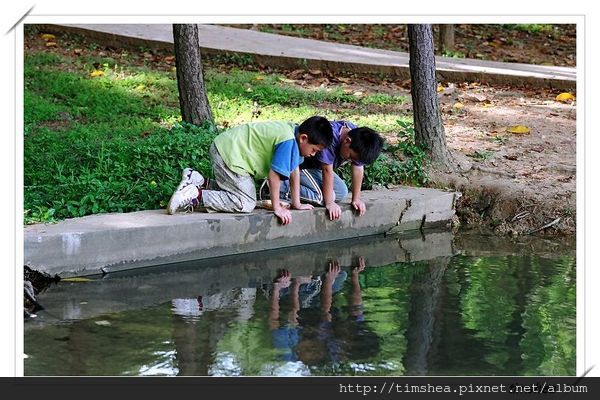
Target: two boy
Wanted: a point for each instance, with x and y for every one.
(276, 151)
(271, 150)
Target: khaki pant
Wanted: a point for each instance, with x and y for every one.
(237, 194)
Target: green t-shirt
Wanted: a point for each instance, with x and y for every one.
(253, 149)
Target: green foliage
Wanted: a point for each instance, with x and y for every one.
(93, 175)
(453, 54)
(530, 28)
(402, 162)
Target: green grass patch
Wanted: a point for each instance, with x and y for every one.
(530, 28)
(115, 143)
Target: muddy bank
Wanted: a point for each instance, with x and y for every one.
(507, 208)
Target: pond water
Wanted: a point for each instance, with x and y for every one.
(428, 305)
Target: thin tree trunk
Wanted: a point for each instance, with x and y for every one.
(446, 42)
(190, 80)
(429, 128)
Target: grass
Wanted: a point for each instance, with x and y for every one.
(530, 28)
(115, 143)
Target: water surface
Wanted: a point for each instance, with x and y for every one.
(434, 305)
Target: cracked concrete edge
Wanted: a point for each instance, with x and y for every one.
(431, 213)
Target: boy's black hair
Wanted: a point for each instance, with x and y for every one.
(318, 129)
(366, 143)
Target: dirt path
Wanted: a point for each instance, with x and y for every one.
(518, 182)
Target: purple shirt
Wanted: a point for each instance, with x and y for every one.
(331, 154)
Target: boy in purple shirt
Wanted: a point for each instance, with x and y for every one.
(320, 185)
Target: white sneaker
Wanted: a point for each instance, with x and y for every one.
(185, 198)
(190, 176)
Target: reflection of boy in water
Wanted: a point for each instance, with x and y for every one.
(285, 337)
(317, 338)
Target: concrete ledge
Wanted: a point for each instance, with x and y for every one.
(113, 242)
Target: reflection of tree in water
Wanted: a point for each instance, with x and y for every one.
(424, 316)
(548, 345)
(489, 304)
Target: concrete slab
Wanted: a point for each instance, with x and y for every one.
(292, 52)
(114, 242)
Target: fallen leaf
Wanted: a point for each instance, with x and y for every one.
(76, 279)
(96, 73)
(440, 88)
(51, 44)
(564, 97)
(518, 129)
(259, 78)
(103, 323)
(458, 105)
(358, 94)
(315, 71)
(343, 80)
(169, 59)
(77, 51)
(48, 36)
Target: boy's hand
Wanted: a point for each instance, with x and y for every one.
(359, 206)
(283, 214)
(332, 272)
(360, 267)
(303, 206)
(283, 279)
(334, 210)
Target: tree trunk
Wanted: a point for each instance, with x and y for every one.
(190, 80)
(446, 42)
(429, 128)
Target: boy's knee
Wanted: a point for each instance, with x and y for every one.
(248, 206)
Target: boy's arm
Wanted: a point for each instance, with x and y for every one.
(274, 183)
(295, 188)
(332, 207)
(357, 178)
